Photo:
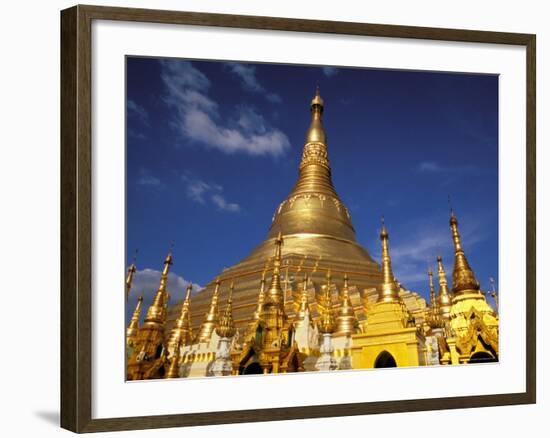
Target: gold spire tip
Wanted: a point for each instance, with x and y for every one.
(317, 100)
(383, 232)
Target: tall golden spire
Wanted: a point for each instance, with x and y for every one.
(261, 299)
(346, 321)
(464, 280)
(389, 291)
(226, 327)
(181, 332)
(157, 311)
(313, 205)
(211, 317)
(133, 327)
(315, 173)
(444, 297)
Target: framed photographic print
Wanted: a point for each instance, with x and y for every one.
(267, 218)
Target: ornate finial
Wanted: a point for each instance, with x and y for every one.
(133, 327)
(181, 332)
(316, 132)
(261, 298)
(157, 311)
(444, 298)
(188, 291)
(432, 289)
(211, 317)
(346, 321)
(130, 275)
(165, 270)
(317, 103)
(275, 294)
(226, 327)
(464, 280)
(383, 231)
(389, 290)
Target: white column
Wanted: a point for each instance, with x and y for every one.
(223, 365)
(327, 362)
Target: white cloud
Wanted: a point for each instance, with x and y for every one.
(196, 191)
(149, 180)
(435, 167)
(146, 283)
(138, 111)
(135, 134)
(198, 116)
(249, 81)
(208, 193)
(222, 204)
(330, 71)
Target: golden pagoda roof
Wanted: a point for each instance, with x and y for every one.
(318, 235)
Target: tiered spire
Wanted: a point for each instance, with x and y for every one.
(181, 333)
(173, 371)
(434, 316)
(304, 303)
(444, 298)
(275, 292)
(157, 311)
(211, 317)
(261, 299)
(273, 312)
(326, 322)
(315, 173)
(433, 301)
(133, 327)
(464, 279)
(129, 278)
(226, 327)
(346, 321)
(314, 191)
(389, 291)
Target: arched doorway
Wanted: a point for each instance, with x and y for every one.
(385, 360)
(482, 357)
(253, 368)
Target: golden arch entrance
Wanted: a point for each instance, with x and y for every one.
(385, 360)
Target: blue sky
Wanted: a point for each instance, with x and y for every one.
(214, 147)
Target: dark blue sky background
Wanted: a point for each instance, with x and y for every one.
(214, 147)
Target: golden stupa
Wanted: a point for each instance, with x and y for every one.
(310, 298)
(318, 235)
